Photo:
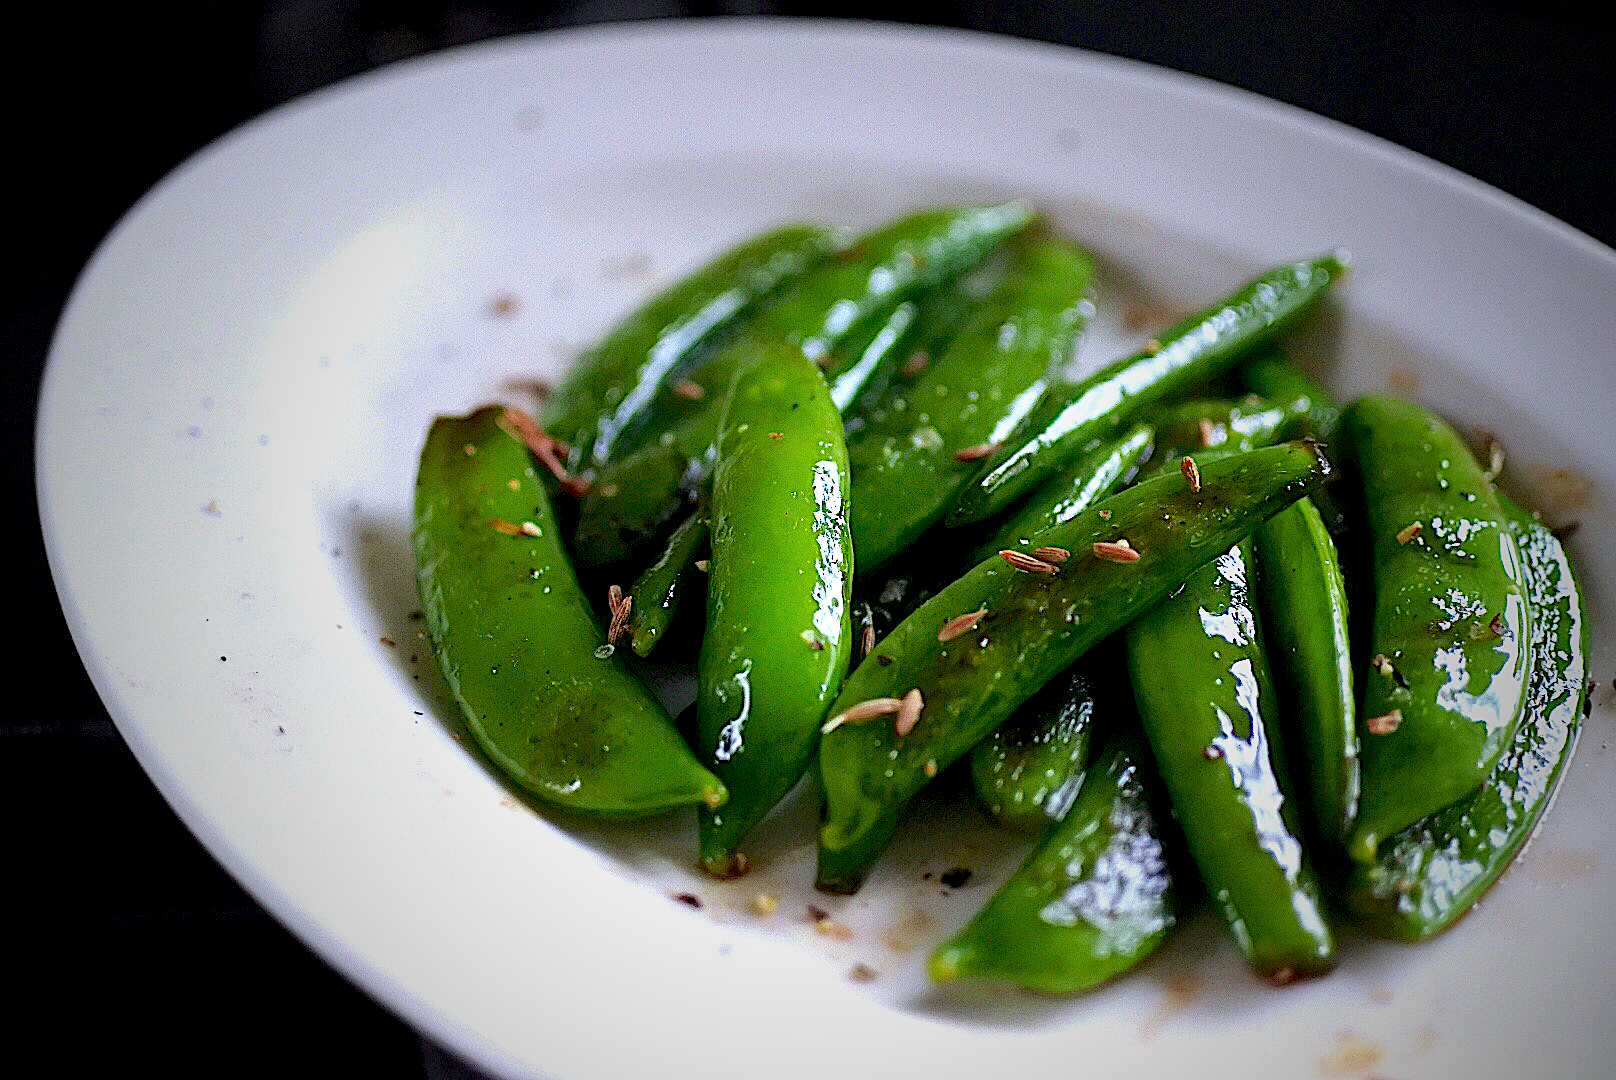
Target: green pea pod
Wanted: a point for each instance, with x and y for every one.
(1029, 769)
(826, 309)
(1035, 625)
(779, 594)
(1206, 702)
(1303, 600)
(1427, 876)
(1268, 374)
(541, 694)
(1095, 897)
(604, 399)
(1452, 633)
(658, 592)
(1192, 352)
(1096, 474)
(909, 465)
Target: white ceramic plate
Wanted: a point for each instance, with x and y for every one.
(228, 434)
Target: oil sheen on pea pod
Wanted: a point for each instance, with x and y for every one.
(1197, 349)
(1451, 641)
(1104, 568)
(839, 303)
(1091, 901)
(909, 464)
(542, 695)
(1427, 876)
(659, 592)
(602, 403)
(1207, 705)
(779, 594)
(1303, 600)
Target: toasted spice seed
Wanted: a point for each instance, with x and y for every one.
(1410, 532)
(549, 451)
(833, 929)
(1283, 977)
(1027, 564)
(863, 712)
(777, 435)
(977, 452)
(765, 903)
(961, 624)
(1384, 725)
(930, 768)
(703, 565)
(1192, 473)
(817, 913)
(688, 899)
(608, 490)
(861, 973)
(499, 525)
(917, 363)
(1498, 626)
(1153, 346)
(690, 391)
(1208, 431)
(470, 450)
(816, 645)
(1383, 665)
(909, 712)
(530, 529)
(621, 607)
(1052, 554)
(1495, 458)
(867, 641)
(1120, 551)
(955, 876)
(514, 484)
(1105, 515)
(1212, 753)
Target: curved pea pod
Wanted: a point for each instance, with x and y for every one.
(1451, 641)
(1427, 876)
(909, 464)
(779, 594)
(603, 401)
(1108, 466)
(1303, 600)
(830, 316)
(661, 589)
(1269, 374)
(1197, 349)
(1029, 769)
(1093, 899)
(1206, 702)
(1036, 622)
(550, 705)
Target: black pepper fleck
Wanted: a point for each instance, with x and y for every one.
(688, 899)
(954, 877)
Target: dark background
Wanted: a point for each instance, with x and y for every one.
(131, 946)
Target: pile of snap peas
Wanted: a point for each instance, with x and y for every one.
(1207, 635)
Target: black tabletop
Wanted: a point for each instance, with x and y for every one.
(133, 947)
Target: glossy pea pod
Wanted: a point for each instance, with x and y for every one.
(1451, 639)
(1033, 626)
(1426, 877)
(1197, 349)
(1206, 701)
(779, 594)
(604, 400)
(826, 310)
(543, 697)
(909, 464)
(1269, 374)
(1093, 899)
(660, 591)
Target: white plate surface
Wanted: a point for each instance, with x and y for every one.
(227, 441)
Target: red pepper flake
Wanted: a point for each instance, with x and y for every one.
(1052, 554)
(1192, 473)
(918, 362)
(977, 452)
(1119, 552)
(961, 624)
(1384, 725)
(1027, 564)
(863, 712)
(690, 391)
(909, 712)
(1410, 533)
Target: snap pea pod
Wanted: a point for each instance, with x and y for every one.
(604, 399)
(1029, 769)
(1452, 634)
(658, 592)
(1303, 600)
(1193, 351)
(552, 708)
(1206, 703)
(779, 593)
(1427, 876)
(1096, 474)
(1095, 897)
(823, 311)
(1314, 414)
(1034, 625)
(909, 465)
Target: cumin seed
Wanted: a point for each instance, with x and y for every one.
(1052, 554)
(1027, 564)
(1119, 552)
(1192, 473)
(1410, 533)
(909, 712)
(961, 624)
(861, 713)
(1384, 725)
